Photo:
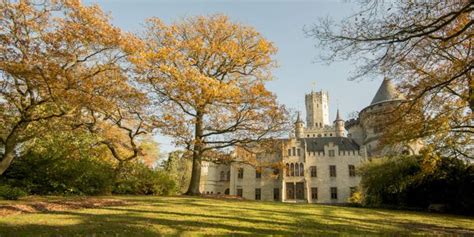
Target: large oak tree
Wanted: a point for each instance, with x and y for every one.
(208, 75)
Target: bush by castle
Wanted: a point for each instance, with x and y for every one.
(443, 184)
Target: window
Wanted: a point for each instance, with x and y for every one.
(228, 175)
(222, 175)
(314, 172)
(333, 193)
(240, 173)
(294, 151)
(239, 192)
(289, 152)
(331, 153)
(297, 169)
(292, 169)
(352, 171)
(258, 194)
(332, 171)
(276, 194)
(299, 151)
(314, 193)
(287, 169)
(352, 191)
(301, 169)
(258, 173)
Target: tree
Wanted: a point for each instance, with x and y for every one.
(427, 48)
(121, 129)
(207, 75)
(57, 59)
(178, 167)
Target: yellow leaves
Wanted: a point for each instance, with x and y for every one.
(213, 67)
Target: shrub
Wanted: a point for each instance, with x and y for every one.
(46, 174)
(405, 182)
(137, 178)
(11, 193)
(356, 199)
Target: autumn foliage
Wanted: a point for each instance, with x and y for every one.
(207, 76)
(65, 67)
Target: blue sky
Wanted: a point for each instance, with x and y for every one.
(281, 22)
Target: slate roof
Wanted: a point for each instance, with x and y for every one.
(315, 144)
(386, 92)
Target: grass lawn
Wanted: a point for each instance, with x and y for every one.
(151, 216)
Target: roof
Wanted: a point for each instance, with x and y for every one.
(298, 119)
(315, 144)
(386, 92)
(338, 118)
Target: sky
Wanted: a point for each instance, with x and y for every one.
(279, 21)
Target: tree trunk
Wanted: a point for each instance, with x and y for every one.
(193, 189)
(7, 159)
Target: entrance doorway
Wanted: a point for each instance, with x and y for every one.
(300, 191)
(290, 191)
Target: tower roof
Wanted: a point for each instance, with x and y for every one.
(386, 92)
(298, 119)
(338, 117)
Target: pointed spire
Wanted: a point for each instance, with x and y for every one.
(298, 119)
(386, 92)
(338, 117)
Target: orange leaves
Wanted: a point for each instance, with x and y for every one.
(209, 73)
(67, 62)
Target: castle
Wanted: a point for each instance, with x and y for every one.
(318, 161)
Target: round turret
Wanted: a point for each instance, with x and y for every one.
(299, 127)
(339, 125)
(374, 117)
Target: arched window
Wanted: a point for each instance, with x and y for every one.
(287, 169)
(292, 169)
(222, 175)
(297, 169)
(301, 169)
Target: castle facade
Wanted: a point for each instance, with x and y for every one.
(317, 162)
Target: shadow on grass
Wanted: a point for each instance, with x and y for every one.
(170, 216)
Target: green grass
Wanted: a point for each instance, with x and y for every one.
(151, 216)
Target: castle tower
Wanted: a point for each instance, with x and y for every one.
(339, 125)
(317, 109)
(299, 127)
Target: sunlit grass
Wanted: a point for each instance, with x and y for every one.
(148, 216)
